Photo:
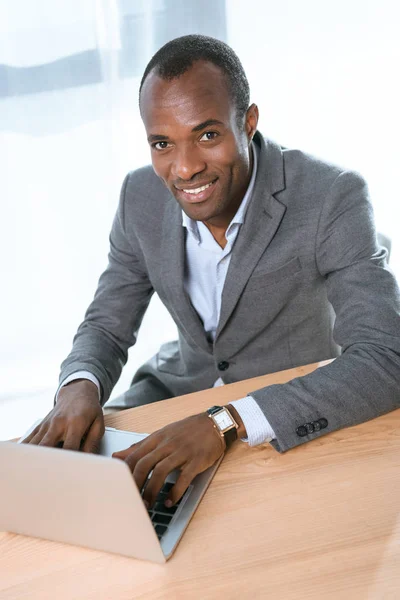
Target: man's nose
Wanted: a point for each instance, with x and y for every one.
(187, 163)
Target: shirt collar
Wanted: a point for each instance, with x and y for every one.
(191, 224)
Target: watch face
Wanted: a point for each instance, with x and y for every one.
(223, 420)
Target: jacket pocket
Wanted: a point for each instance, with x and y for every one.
(260, 278)
(169, 359)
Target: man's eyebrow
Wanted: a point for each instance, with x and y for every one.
(207, 124)
(154, 137)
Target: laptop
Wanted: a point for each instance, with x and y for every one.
(92, 500)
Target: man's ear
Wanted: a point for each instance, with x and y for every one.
(251, 121)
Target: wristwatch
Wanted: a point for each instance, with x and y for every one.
(224, 423)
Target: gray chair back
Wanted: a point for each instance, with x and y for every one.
(386, 242)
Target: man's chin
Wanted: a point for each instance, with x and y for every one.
(201, 211)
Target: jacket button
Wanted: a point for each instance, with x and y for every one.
(309, 427)
(301, 431)
(317, 426)
(223, 365)
(323, 423)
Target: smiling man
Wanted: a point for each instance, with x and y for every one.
(265, 257)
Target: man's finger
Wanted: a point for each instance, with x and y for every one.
(160, 472)
(51, 438)
(122, 454)
(29, 437)
(94, 436)
(186, 477)
(146, 463)
(138, 450)
(39, 435)
(73, 439)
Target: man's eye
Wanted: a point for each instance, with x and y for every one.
(209, 135)
(160, 145)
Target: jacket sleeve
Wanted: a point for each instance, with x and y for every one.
(363, 382)
(113, 318)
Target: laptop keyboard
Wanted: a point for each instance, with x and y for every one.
(160, 515)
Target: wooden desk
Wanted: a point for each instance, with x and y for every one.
(321, 521)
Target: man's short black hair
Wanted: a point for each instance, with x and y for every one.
(177, 56)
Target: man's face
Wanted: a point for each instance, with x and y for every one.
(197, 147)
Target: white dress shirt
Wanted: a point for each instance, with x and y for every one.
(206, 268)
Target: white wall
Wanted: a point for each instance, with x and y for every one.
(325, 76)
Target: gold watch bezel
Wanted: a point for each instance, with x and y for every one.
(222, 431)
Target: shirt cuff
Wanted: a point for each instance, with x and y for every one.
(79, 375)
(257, 425)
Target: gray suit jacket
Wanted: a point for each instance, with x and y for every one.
(306, 282)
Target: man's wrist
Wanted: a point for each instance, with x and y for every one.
(83, 384)
(80, 376)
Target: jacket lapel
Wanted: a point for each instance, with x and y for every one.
(262, 219)
(173, 268)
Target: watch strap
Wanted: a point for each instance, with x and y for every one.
(230, 436)
(214, 409)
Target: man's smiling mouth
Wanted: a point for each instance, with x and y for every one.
(195, 190)
(201, 192)
(199, 189)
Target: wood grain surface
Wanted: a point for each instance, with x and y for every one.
(320, 522)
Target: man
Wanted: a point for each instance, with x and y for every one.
(265, 257)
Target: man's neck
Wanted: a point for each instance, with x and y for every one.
(218, 233)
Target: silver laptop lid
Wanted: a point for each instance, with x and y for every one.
(75, 498)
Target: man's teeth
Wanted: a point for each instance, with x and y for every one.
(198, 190)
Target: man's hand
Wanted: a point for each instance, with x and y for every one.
(191, 445)
(77, 416)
